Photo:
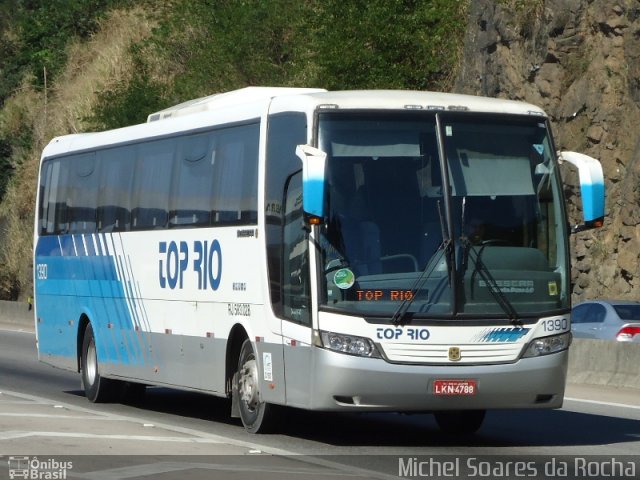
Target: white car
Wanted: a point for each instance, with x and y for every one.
(607, 319)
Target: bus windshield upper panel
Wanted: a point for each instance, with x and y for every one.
(393, 236)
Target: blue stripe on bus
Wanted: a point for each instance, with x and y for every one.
(91, 250)
(66, 246)
(84, 277)
(127, 280)
(504, 335)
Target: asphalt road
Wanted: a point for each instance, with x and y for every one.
(44, 412)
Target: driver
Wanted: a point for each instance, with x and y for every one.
(476, 231)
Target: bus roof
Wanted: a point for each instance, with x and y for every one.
(382, 99)
(374, 99)
(402, 99)
(252, 102)
(228, 99)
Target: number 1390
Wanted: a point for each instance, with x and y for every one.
(555, 324)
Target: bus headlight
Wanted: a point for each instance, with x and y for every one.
(349, 344)
(548, 345)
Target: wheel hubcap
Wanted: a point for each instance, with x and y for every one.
(91, 363)
(248, 384)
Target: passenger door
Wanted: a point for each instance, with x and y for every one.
(296, 328)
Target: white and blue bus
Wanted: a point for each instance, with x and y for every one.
(336, 251)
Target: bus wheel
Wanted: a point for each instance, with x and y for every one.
(96, 388)
(256, 415)
(460, 422)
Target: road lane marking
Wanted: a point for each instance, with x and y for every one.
(197, 436)
(153, 469)
(53, 415)
(605, 404)
(143, 438)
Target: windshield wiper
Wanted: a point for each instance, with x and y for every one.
(447, 248)
(483, 270)
(400, 314)
(489, 280)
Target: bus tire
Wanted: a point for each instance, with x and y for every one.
(460, 422)
(257, 416)
(96, 388)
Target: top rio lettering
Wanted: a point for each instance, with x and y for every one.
(205, 258)
(389, 295)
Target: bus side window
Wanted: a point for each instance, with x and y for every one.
(285, 132)
(48, 193)
(152, 181)
(295, 281)
(83, 194)
(193, 183)
(61, 215)
(235, 179)
(114, 197)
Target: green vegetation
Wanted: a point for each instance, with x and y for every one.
(388, 43)
(109, 63)
(199, 48)
(35, 34)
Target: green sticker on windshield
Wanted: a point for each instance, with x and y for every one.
(344, 279)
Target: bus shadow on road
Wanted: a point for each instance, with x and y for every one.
(509, 428)
(502, 428)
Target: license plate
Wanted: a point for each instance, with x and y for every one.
(455, 387)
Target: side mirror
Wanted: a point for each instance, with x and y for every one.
(591, 188)
(313, 182)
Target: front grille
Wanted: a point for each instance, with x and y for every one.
(439, 354)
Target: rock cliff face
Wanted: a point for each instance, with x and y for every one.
(580, 61)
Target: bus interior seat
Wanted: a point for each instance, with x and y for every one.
(82, 220)
(504, 258)
(112, 218)
(431, 229)
(362, 246)
(400, 227)
(360, 236)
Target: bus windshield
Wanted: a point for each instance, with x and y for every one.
(488, 240)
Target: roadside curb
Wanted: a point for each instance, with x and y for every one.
(17, 315)
(606, 363)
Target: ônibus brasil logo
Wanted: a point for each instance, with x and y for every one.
(38, 469)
